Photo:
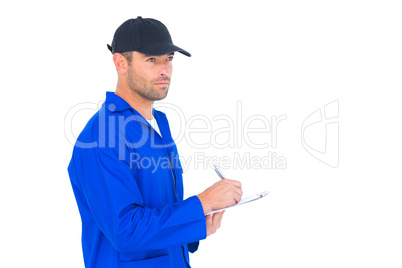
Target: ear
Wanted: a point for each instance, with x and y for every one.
(120, 62)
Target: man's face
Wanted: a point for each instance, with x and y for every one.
(149, 76)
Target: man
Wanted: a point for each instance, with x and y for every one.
(125, 170)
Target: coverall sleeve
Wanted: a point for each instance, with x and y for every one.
(116, 204)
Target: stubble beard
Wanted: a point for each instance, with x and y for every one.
(138, 85)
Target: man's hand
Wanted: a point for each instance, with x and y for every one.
(224, 193)
(214, 222)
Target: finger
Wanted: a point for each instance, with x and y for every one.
(222, 212)
(237, 197)
(208, 220)
(233, 183)
(213, 226)
(238, 191)
(237, 184)
(215, 220)
(219, 216)
(220, 219)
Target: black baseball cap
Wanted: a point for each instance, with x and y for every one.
(145, 35)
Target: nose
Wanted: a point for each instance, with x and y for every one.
(164, 69)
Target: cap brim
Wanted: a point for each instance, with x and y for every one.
(163, 50)
(110, 48)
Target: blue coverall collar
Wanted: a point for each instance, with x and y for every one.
(116, 104)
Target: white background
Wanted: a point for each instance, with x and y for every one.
(278, 58)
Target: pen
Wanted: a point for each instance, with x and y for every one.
(220, 174)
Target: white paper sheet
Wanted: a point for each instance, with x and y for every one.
(244, 200)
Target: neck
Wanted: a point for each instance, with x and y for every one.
(141, 105)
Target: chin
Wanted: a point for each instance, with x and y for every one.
(163, 93)
(160, 97)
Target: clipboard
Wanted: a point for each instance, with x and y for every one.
(244, 200)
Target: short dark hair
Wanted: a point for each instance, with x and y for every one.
(128, 55)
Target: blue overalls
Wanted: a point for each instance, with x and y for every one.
(127, 181)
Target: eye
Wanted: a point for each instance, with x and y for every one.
(151, 59)
(170, 58)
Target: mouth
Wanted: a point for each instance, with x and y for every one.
(162, 84)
